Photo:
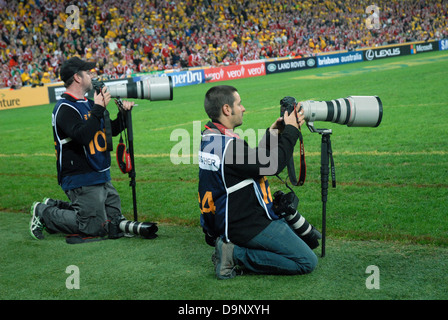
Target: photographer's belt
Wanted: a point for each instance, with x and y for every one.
(291, 167)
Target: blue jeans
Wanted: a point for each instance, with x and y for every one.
(276, 250)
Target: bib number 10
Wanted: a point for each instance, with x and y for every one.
(94, 145)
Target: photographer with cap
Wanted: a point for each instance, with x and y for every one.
(80, 127)
(235, 199)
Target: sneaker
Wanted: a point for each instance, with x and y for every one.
(223, 260)
(36, 223)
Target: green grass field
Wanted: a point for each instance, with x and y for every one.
(389, 208)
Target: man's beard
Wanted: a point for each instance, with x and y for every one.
(88, 88)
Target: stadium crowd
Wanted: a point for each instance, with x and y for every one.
(148, 35)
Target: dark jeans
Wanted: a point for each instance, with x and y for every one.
(276, 250)
(89, 211)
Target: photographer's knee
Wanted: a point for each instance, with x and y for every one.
(308, 263)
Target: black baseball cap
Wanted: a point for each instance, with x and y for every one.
(74, 65)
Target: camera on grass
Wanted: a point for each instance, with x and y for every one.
(154, 89)
(146, 230)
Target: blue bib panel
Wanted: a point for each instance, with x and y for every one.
(96, 152)
(213, 191)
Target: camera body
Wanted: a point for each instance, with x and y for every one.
(285, 206)
(98, 85)
(287, 104)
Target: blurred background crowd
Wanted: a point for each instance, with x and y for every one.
(127, 37)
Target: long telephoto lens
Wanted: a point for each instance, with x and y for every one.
(145, 229)
(153, 89)
(353, 111)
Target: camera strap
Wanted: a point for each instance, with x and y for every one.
(123, 157)
(108, 128)
(223, 130)
(122, 154)
(291, 166)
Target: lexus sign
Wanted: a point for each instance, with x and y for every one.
(373, 54)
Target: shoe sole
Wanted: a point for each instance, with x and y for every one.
(33, 217)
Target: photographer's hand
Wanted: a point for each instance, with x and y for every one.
(293, 120)
(127, 105)
(300, 116)
(277, 126)
(103, 98)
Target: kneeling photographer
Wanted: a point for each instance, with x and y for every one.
(81, 128)
(238, 214)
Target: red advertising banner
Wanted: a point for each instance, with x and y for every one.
(235, 72)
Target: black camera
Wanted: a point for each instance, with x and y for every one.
(97, 86)
(287, 104)
(285, 206)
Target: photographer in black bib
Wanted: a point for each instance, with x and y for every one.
(83, 160)
(238, 213)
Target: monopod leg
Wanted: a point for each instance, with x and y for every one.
(131, 153)
(324, 171)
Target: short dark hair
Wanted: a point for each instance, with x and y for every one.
(216, 97)
(69, 82)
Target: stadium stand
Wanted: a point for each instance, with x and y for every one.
(152, 35)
